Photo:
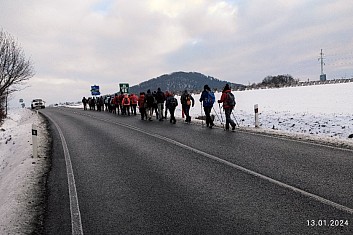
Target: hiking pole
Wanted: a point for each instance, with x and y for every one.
(235, 119)
(220, 111)
(201, 114)
(216, 114)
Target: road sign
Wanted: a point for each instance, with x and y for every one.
(95, 90)
(124, 88)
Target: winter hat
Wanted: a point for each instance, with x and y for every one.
(226, 87)
(206, 87)
(148, 91)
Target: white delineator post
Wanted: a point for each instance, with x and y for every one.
(256, 109)
(35, 140)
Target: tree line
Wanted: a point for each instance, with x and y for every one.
(275, 81)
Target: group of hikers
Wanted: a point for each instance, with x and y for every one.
(160, 103)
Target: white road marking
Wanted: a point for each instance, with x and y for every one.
(238, 167)
(76, 223)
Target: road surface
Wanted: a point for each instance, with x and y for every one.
(121, 175)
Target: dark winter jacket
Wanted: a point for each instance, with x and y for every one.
(160, 97)
(149, 100)
(184, 99)
(168, 102)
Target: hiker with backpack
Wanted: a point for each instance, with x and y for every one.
(166, 94)
(142, 106)
(207, 98)
(172, 103)
(228, 101)
(133, 103)
(120, 103)
(160, 98)
(187, 101)
(149, 103)
(126, 105)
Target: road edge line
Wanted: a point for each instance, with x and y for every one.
(76, 222)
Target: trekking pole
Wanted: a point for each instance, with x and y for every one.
(201, 114)
(221, 115)
(235, 119)
(220, 111)
(216, 114)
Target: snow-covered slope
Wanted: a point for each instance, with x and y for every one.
(21, 175)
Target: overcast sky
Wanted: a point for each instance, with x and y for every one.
(78, 43)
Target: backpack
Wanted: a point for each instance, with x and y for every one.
(188, 100)
(126, 101)
(134, 99)
(173, 102)
(230, 99)
(149, 100)
(209, 100)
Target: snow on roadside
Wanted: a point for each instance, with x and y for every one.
(21, 176)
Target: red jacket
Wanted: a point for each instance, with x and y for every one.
(224, 100)
(133, 99)
(141, 101)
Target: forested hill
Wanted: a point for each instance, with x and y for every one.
(180, 81)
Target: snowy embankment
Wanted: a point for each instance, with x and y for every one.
(21, 176)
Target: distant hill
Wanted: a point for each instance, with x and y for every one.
(180, 81)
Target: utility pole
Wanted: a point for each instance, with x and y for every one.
(322, 62)
(321, 59)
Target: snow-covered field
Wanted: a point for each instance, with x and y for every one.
(322, 112)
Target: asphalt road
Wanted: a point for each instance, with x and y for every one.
(120, 175)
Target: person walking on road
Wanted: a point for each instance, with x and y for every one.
(187, 101)
(166, 94)
(149, 101)
(133, 102)
(228, 101)
(172, 103)
(142, 106)
(160, 98)
(84, 101)
(126, 105)
(207, 98)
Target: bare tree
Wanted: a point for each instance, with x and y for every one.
(15, 69)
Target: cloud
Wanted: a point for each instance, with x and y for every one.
(110, 41)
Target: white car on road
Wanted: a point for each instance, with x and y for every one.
(38, 104)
